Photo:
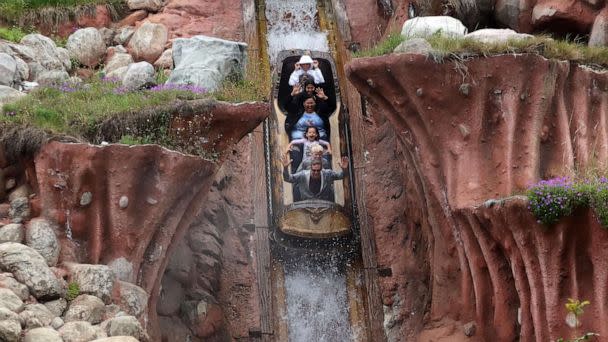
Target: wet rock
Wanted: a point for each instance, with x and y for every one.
(148, 5)
(427, 26)
(8, 94)
(10, 330)
(36, 316)
(415, 45)
(489, 36)
(125, 326)
(42, 334)
(132, 298)
(9, 300)
(138, 75)
(57, 307)
(206, 61)
(87, 46)
(8, 70)
(118, 60)
(12, 233)
(30, 268)
(7, 281)
(96, 280)
(85, 308)
(79, 331)
(40, 235)
(148, 42)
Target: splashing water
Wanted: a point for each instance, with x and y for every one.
(317, 303)
(293, 25)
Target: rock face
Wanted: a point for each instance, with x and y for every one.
(453, 260)
(166, 191)
(206, 61)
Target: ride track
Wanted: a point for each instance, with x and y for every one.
(365, 308)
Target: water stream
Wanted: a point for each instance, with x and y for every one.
(315, 290)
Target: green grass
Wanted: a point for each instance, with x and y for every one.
(446, 47)
(13, 34)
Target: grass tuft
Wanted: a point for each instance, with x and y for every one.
(384, 47)
(12, 34)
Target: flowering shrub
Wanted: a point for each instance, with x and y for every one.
(550, 200)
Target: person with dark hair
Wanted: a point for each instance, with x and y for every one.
(315, 183)
(308, 118)
(299, 93)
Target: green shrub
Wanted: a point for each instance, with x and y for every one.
(13, 34)
(599, 201)
(72, 292)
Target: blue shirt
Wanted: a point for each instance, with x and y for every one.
(307, 120)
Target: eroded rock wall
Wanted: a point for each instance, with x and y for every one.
(463, 133)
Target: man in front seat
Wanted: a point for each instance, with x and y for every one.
(315, 183)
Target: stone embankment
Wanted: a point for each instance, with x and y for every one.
(467, 132)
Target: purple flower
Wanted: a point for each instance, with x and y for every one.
(179, 87)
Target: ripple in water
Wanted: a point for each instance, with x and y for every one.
(293, 25)
(317, 302)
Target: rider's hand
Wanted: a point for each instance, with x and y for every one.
(296, 89)
(285, 159)
(320, 93)
(344, 162)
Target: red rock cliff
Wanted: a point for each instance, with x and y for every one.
(464, 133)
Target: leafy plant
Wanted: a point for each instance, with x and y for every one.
(13, 34)
(574, 307)
(72, 292)
(549, 200)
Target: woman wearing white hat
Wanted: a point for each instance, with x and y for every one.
(309, 67)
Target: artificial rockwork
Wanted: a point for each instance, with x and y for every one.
(465, 132)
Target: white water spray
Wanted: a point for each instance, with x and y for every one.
(293, 25)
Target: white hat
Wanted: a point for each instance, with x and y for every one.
(305, 59)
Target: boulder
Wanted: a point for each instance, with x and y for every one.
(11, 233)
(148, 5)
(507, 13)
(8, 69)
(87, 46)
(117, 339)
(415, 45)
(30, 268)
(489, 36)
(171, 295)
(85, 308)
(123, 35)
(23, 71)
(118, 60)
(206, 61)
(57, 307)
(20, 210)
(10, 331)
(42, 334)
(6, 314)
(96, 280)
(165, 61)
(107, 34)
(22, 191)
(117, 74)
(42, 50)
(148, 42)
(57, 323)
(8, 95)
(80, 331)
(36, 316)
(427, 26)
(64, 56)
(7, 281)
(122, 269)
(40, 235)
(9, 300)
(132, 298)
(138, 75)
(599, 31)
(125, 326)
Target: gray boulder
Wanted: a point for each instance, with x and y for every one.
(125, 326)
(36, 316)
(9, 300)
(8, 95)
(415, 45)
(30, 268)
(57, 307)
(80, 331)
(423, 27)
(7, 281)
(108, 35)
(599, 30)
(148, 5)
(11, 233)
(117, 339)
(10, 330)
(86, 46)
(20, 210)
(489, 36)
(85, 308)
(42, 334)
(96, 280)
(133, 299)
(52, 77)
(122, 269)
(42, 50)
(64, 56)
(123, 35)
(40, 235)
(207, 61)
(6, 314)
(138, 75)
(118, 60)
(148, 42)
(165, 61)
(23, 71)
(117, 74)
(57, 323)
(8, 70)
